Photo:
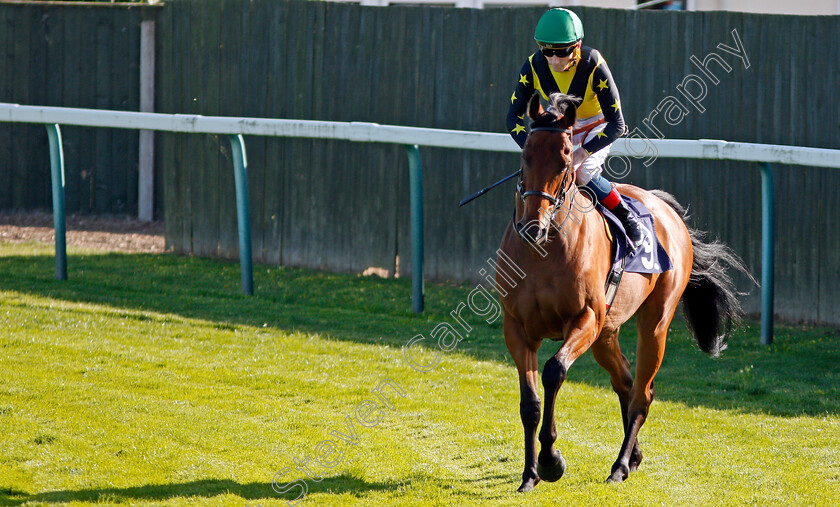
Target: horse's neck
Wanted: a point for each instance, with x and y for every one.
(573, 224)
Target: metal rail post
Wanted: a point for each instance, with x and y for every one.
(415, 171)
(240, 175)
(768, 257)
(59, 219)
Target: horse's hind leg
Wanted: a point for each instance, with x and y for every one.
(650, 349)
(607, 353)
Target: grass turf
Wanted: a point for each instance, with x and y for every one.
(150, 379)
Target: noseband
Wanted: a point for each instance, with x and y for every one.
(557, 199)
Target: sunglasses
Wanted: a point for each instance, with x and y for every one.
(561, 52)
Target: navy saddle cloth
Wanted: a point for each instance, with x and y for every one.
(650, 257)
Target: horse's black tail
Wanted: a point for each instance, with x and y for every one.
(710, 301)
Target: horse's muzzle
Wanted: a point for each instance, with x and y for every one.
(532, 232)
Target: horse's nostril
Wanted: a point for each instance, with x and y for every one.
(530, 232)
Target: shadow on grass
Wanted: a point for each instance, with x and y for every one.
(208, 488)
(797, 375)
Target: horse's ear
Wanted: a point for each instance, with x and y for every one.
(569, 105)
(569, 116)
(535, 109)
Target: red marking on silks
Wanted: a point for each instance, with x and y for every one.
(611, 200)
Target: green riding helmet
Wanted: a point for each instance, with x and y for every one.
(557, 28)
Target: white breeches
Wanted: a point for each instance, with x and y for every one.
(594, 163)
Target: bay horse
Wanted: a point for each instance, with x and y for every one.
(564, 253)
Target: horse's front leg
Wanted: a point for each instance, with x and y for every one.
(579, 335)
(524, 353)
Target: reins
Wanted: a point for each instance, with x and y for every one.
(586, 129)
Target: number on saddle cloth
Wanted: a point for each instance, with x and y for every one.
(651, 257)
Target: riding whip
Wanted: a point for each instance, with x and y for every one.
(486, 189)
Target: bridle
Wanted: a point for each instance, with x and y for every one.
(557, 199)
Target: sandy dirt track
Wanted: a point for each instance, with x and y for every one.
(116, 234)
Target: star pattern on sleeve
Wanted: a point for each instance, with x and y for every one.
(602, 85)
(513, 97)
(518, 128)
(523, 79)
(617, 105)
(602, 134)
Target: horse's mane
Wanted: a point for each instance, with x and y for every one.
(560, 105)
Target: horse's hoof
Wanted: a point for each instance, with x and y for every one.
(528, 485)
(554, 472)
(619, 474)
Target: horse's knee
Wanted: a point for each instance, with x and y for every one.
(529, 411)
(554, 374)
(623, 384)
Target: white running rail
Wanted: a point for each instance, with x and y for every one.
(375, 133)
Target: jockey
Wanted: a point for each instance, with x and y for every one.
(563, 65)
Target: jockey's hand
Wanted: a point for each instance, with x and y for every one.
(578, 156)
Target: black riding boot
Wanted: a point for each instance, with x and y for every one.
(631, 224)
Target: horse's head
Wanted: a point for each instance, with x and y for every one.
(546, 170)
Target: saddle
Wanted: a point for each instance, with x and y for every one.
(651, 257)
